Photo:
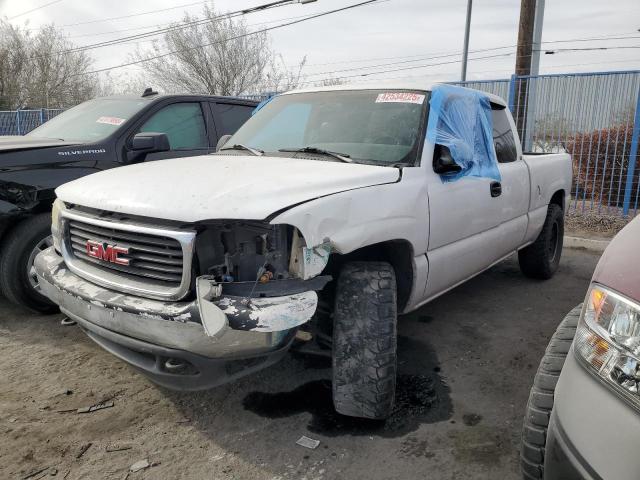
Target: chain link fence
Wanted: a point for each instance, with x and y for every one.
(21, 122)
(593, 116)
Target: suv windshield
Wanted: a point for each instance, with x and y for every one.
(381, 126)
(90, 121)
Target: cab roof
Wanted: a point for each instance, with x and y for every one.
(185, 96)
(387, 85)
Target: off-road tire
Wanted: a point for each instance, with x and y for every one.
(364, 340)
(540, 404)
(15, 251)
(541, 258)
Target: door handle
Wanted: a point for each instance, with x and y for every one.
(496, 189)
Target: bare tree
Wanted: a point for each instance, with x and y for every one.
(39, 70)
(218, 57)
(13, 73)
(58, 79)
(126, 83)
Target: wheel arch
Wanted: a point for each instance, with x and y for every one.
(397, 252)
(558, 198)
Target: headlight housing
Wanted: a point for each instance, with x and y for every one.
(56, 224)
(608, 340)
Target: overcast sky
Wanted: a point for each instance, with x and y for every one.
(407, 31)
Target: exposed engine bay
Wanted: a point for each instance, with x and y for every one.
(244, 251)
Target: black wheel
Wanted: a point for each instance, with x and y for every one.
(18, 280)
(540, 404)
(364, 340)
(542, 257)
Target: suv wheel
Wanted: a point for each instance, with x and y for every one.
(540, 404)
(18, 280)
(364, 340)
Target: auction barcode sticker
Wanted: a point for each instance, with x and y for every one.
(400, 97)
(111, 120)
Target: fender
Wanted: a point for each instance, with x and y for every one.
(365, 216)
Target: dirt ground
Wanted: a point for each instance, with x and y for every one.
(466, 364)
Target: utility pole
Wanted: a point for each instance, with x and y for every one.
(523, 59)
(465, 50)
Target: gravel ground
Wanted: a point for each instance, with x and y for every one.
(466, 364)
(591, 223)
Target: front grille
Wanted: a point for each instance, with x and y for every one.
(159, 258)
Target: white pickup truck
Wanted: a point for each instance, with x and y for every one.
(330, 212)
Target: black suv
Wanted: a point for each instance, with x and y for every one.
(93, 136)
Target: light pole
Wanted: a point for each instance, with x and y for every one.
(465, 51)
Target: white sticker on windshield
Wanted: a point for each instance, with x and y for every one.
(111, 120)
(400, 97)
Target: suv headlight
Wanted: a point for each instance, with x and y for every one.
(56, 224)
(608, 340)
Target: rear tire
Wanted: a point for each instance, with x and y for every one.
(541, 397)
(542, 258)
(364, 340)
(17, 279)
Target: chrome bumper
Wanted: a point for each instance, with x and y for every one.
(204, 331)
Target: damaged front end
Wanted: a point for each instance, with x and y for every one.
(261, 276)
(245, 288)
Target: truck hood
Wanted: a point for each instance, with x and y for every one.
(219, 186)
(15, 142)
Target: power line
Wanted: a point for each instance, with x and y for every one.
(294, 22)
(617, 37)
(617, 47)
(148, 12)
(174, 23)
(173, 27)
(412, 68)
(454, 54)
(34, 9)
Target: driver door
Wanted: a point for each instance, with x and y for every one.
(464, 226)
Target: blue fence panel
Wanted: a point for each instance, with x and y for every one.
(21, 122)
(594, 117)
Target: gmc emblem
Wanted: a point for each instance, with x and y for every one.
(106, 252)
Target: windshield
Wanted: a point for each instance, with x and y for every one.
(380, 126)
(90, 121)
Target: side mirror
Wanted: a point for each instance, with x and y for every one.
(150, 142)
(443, 162)
(222, 142)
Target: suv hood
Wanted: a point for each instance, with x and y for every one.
(15, 142)
(219, 186)
(618, 265)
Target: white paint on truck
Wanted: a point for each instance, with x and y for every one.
(456, 229)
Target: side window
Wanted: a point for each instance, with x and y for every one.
(183, 123)
(231, 117)
(503, 139)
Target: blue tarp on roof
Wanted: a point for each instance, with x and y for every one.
(460, 119)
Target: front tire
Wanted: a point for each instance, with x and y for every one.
(542, 258)
(17, 277)
(541, 397)
(365, 340)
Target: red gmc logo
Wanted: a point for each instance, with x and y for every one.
(106, 252)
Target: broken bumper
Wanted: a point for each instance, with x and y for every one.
(180, 345)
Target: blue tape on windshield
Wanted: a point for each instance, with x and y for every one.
(460, 119)
(262, 104)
